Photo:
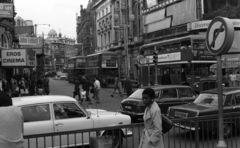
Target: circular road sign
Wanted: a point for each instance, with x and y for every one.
(139, 57)
(143, 61)
(220, 35)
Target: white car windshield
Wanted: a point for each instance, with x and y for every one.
(208, 99)
(137, 94)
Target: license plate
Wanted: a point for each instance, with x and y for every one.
(128, 107)
(180, 114)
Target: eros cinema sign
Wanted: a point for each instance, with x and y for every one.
(14, 57)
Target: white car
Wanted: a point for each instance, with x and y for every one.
(52, 114)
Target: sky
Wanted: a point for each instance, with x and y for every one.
(60, 14)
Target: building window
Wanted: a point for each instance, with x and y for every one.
(109, 38)
(91, 31)
(105, 37)
(18, 23)
(101, 41)
(106, 10)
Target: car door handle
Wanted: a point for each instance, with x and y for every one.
(120, 123)
(59, 124)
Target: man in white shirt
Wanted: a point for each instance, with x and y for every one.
(97, 88)
(233, 79)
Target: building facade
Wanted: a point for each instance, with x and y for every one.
(7, 37)
(60, 49)
(86, 29)
(111, 18)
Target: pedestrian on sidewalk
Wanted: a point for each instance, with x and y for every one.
(46, 85)
(128, 86)
(97, 88)
(76, 91)
(233, 79)
(152, 133)
(86, 87)
(117, 86)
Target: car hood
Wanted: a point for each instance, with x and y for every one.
(132, 100)
(100, 112)
(190, 110)
(102, 118)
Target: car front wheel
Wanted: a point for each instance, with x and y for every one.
(227, 130)
(117, 139)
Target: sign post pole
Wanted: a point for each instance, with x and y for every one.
(221, 142)
(220, 36)
(149, 84)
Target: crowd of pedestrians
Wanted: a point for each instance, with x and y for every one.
(25, 85)
(83, 88)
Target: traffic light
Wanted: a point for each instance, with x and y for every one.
(155, 57)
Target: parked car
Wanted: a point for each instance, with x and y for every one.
(53, 114)
(135, 83)
(166, 96)
(207, 104)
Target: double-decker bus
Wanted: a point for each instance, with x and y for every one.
(76, 68)
(183, 60)
(104, 65)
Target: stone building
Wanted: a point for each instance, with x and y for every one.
(60, 48)
(111, 17)
(86, 29)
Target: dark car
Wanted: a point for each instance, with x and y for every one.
(135, 83)
(166, 96)
(206, 104)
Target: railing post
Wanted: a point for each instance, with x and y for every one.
(196, 133)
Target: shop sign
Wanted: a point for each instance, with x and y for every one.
(14, 57)
(70, 65)
(109, 64)
(30, 41)
(166, 57)
(31, 58)
(6, 10)
(204, 24)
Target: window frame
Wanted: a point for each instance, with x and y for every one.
(80, 108)
(30, 105)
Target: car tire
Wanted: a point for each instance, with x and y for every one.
(117, 137)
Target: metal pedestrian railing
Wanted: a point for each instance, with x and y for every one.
(199, 132)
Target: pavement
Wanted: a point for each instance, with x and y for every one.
(63, 87)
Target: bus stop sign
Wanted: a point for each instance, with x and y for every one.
(220, 36)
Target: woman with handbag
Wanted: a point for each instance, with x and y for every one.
(152, 135)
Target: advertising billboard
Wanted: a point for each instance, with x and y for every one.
(18, 57)
(6, 10)
(30, 41)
